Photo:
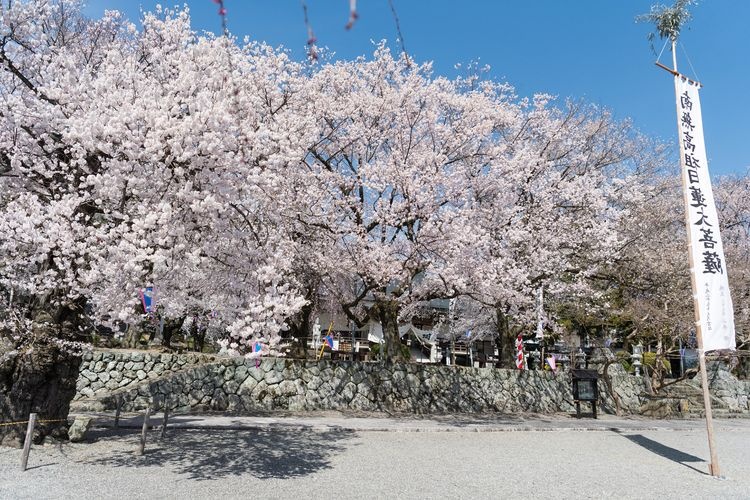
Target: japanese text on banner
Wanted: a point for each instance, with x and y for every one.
(713, 301)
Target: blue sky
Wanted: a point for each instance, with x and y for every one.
(583, 49)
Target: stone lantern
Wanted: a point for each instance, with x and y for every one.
(580, 358)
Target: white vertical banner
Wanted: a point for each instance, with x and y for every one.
(711, 286)
(540, 314)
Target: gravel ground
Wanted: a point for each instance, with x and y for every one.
(563, 462)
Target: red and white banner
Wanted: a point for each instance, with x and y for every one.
(519, 352)
(715, 313)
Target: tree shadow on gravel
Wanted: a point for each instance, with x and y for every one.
(203, 454)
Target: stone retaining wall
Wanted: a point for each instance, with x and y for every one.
(232, 384)
(102, 372)
(726, 387)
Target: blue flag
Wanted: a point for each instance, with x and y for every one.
(147, 299)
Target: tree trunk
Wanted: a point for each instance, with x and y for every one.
(154, 331)
(171, 326)
(504, 341)
(40, 376)
(299, 329)
(199, 341)
(40, 380)
(198, 334)
(610, 388)
(387, 314)
(132, 335)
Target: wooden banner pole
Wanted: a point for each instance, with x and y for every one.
(713, 466)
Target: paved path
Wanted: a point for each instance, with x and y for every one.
(332, 456)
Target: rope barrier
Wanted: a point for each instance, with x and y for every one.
(14, 423)
(5, 424)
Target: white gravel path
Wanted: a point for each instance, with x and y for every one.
(302, 463)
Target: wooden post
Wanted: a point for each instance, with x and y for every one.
(166, 416)
(27, 441)
(118, 408)
(142, 445)
(713, 466)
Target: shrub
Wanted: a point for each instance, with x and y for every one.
(649, 359)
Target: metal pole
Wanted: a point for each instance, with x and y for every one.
(27, 441)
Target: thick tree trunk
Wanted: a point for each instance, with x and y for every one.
(299, 329)
(39, 376)
(387, 314)
(40, 380)
(198, 334)
(132, 335)
(199, 341)
(504, 341)
(171, 326)
(610, 388)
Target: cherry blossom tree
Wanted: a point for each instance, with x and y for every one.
(645, 288)
(546, 212)
(434, 188)
(237, 182)
(133, 157)
(387, 173)
(147, 157)
(733, 204)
